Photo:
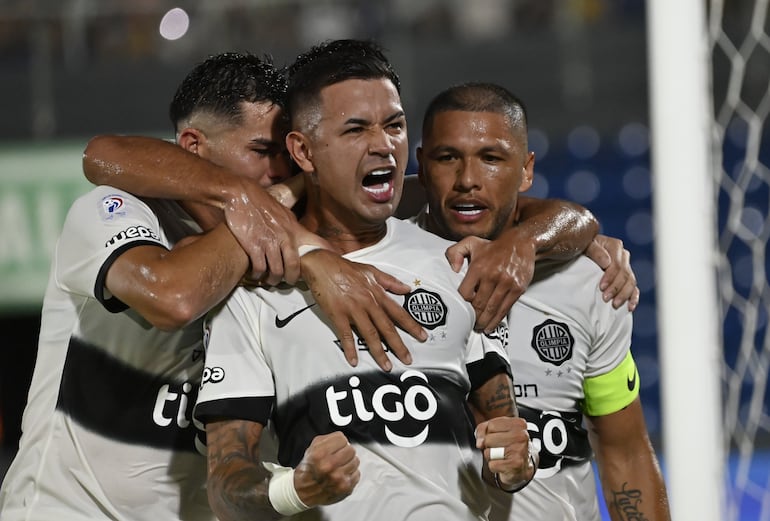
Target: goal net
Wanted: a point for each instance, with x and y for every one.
(739, 35)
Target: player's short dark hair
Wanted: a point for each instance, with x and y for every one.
(220, 83)
(478, 97)
(333, 62)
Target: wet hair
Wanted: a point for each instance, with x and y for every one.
(218, 85)
(330, 63)
(478, 97)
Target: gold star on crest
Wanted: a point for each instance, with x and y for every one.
(417, 282)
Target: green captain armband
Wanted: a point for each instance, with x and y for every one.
(610, 392)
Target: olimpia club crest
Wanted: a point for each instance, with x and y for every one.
(426, 307)
(553, 342)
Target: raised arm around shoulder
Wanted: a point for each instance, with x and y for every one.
(619, 281)
(170, 289)
(289, 191)
(152, 167)
(560, 230)
(501, 270)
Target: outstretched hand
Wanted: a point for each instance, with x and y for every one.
(498, 273)
(618, 283)
(355, 295)
(264, 229)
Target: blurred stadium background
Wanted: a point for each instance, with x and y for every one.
(71, 69)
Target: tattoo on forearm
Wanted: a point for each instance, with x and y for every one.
(241, 487)
(500, 400)
(235, 442)
(627, 503)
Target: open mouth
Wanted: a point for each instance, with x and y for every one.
(379, 184)
(468, 210)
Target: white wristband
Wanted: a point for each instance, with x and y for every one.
(282, 494)
(304, 249)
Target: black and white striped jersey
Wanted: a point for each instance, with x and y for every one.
(108, 430)
(570, 355)
(410, 427)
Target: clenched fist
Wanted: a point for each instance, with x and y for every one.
(505, 443)
(328, 472)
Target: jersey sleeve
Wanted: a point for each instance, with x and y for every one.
(487, 355)
(611, 337)
(237, 380)
(99, 227)
(611, 378)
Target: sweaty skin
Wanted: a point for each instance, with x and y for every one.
(155, 168)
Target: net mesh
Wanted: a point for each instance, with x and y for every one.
(740, 43)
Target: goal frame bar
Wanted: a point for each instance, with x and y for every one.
(684, 216)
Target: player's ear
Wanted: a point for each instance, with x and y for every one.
(192, 140)
(420, 174)
(528, 173)
(298, 146)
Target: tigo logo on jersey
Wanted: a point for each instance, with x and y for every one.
(112, 206)
(389, 402)
(180, 397)
(173, 408)
(426, 307)
(552, 342)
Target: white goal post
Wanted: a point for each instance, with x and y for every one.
(685, 223)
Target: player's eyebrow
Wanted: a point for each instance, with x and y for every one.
(442, 148)
(497, 148)
(361, 121)
(396, 115)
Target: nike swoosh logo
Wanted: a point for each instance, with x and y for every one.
(281, 322)
(632, 381)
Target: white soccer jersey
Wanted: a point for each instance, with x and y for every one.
(562, 335)
(107, 432)
(410, 427)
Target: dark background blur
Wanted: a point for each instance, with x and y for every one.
(71, 69)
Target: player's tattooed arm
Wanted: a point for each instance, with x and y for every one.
(237, 481)
(627, 504)
(501, 435)
(631, 480)
(494, 398)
